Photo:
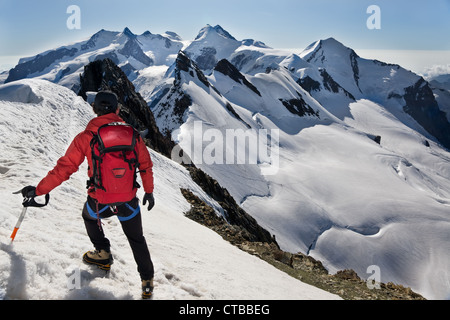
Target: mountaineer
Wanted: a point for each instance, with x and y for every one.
(115, 153)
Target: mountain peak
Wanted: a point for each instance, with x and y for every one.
(208, 29)
(331, 41)
(172, 35)
(329, 46)
(128, 33)
(333, 44)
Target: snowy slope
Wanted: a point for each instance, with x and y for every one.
(38, 121)
(349, 202)
(338, 195)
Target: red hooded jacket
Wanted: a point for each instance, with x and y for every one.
(80, 149)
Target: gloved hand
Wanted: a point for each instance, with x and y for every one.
(29, 192)
(151, 200)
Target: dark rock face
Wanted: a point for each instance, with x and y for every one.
(309, 84)
(184, 63)
(355, 67)
(328, 83)
(207, 60)
(299, 107)
(236, 115)
(132, 49)
(106, 75)
(332, 85)
(173, 101)
(175, 98)
(422, 106)
(226, 68)
(234, 214)
(242, 59)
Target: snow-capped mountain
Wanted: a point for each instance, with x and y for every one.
(131, 52)
(358, 148)
(213, 44)
(396, 88)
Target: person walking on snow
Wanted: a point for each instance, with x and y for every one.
(106, 108)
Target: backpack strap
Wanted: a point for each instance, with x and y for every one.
(95, 180)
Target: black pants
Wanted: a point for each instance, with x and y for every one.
(129, 216)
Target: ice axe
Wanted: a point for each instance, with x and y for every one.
(27, 202)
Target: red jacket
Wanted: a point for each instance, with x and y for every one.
(80, 149)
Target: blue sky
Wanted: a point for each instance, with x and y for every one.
(28, 27)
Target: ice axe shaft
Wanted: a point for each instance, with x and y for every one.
(27, 202)
(19, 222)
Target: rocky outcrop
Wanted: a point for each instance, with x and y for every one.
(203, 214)
(309, 84)
(170, 103)
(333, 86)
(345, 283)
(299, 107)
(184, 63)
(226, 68)
(236, 217)
(422, 106)
(207, 59)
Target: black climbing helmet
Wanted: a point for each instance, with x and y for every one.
(105, 102)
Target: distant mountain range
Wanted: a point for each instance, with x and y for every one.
(326, 69)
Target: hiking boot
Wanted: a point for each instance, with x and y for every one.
(101, 258)
(147, 289)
